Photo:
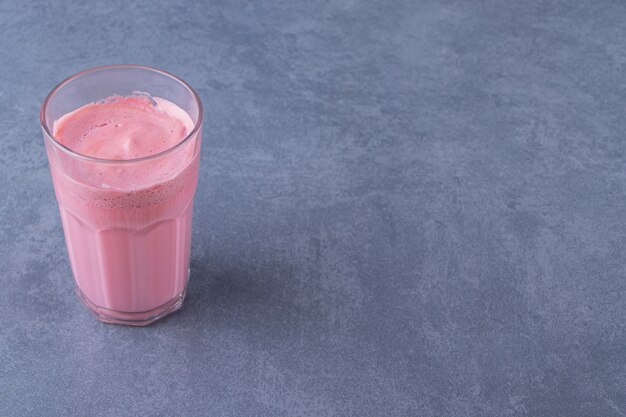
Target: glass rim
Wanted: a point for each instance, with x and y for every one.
(66, 149)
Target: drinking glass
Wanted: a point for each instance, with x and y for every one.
(127, 223)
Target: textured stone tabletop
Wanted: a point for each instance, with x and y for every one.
(405, 209)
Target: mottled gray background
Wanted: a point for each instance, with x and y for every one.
(405, 209)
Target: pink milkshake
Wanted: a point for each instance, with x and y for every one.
(125, 170)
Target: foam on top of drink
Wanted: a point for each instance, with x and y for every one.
(120, 129)
(123, 127)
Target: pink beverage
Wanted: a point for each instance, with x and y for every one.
(128, 237)
(125, 167)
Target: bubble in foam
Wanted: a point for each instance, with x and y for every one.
(146, 95)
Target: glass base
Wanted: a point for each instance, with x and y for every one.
(142, 318)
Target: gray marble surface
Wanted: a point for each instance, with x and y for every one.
(405, 209)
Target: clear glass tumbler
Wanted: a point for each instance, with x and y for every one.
(127, 223)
